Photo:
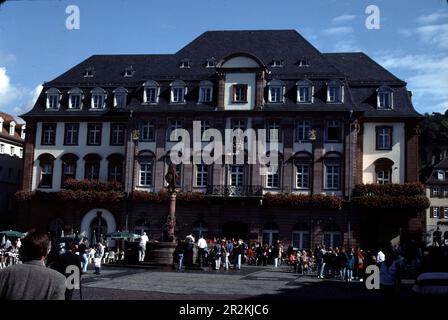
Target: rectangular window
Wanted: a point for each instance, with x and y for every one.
(115, 172)
(177, 94)
(383, 177)
(147, 131)
(201, 175)
(21, 153)
(71, 134)
(236, 175)
(384, 100)
(240, 93)
(53, 101)
(302, 176)
(333, 131)
(303, 130)
(151, 95)
(75, 101)
(146, 174)
(46, 175)
(2, 148)
(274, 132)
(273, 177)
(332, 175)
(117, 131)
(435, 193)
(304, 94)
(48, 134)
(174, 125)
(92, 171)
(69, 171)
(275, 94)
(98, 101)
(94, 134)
(120, 100)
(335, 94)
(383, 138)
(435, 212)
(205, 125)
(205, 94)
(12, 151)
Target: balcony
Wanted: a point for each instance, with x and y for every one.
(235, 191)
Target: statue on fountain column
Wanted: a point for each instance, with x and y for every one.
(171, 178)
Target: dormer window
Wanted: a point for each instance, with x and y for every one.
(240, 93)
(89, 72)
(120, 97)
(53, 97)
(305, 91)
(150, 92)
(98, 98)
(210, 63)
(384, 98)
(303, 62)
(178, 91)
(75, 98)
(335, 92)
(205, 91)
(129, 72)
(185, 64)
(276, 91)
(22, 132)
(277, 63)
(12, 127)
(1, 124)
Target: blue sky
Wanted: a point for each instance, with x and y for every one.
(35, 45)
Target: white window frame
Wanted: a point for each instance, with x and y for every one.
(53, 96)
(237, 172)
(335, 174)
(303, 175)
(302, 127)
(70, 132)
(145, 128)
(178, 91)
(210, 63)
(46, 168)
(381, 93)
(120, 94)
(305, 85)
(98, 92)
(205, 92)
(383, 177)
(144, 172)
(75, 92)
(272, 176)
(12, 128)
(202, 171)
(12, 151)
(151, 85)
(338, 85)
(2, 148)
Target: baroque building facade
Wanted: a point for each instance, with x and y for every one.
(340, 119)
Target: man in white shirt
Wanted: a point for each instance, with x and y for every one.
(142, 247)
(202, 246)
(380, 257)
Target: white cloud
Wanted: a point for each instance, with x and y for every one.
(436, 35)
(8, 92)
(346, 46)
(337, 31)
(28, 100)
(405, 32)
(343, 19)
(433, 17)
(428, 80)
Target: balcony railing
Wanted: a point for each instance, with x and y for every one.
(235, 191)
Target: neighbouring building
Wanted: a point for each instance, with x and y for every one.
(437, 214)
(341, 120)
(12, 137)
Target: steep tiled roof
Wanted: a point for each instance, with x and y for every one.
(4, 134)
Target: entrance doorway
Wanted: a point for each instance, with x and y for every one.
(236, 230)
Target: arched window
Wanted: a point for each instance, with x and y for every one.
(305, 91)
(69, 161)
(270, 233)
(335, 91)
(383, 170)
(53, 98)
(142, 225)
(384, 97)
(332, 235)
(301, 236)
(200, 228)
(46, 164)
(98, 98)
(120, 97)
(151, 92)
(92, 166)
(276, 91)
(303, 170)
(145, 161)
(75, 98)
(115, 167)
(178, 91)
(205, 91)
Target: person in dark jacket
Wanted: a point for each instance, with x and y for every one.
(69, 258)
(31, 280)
